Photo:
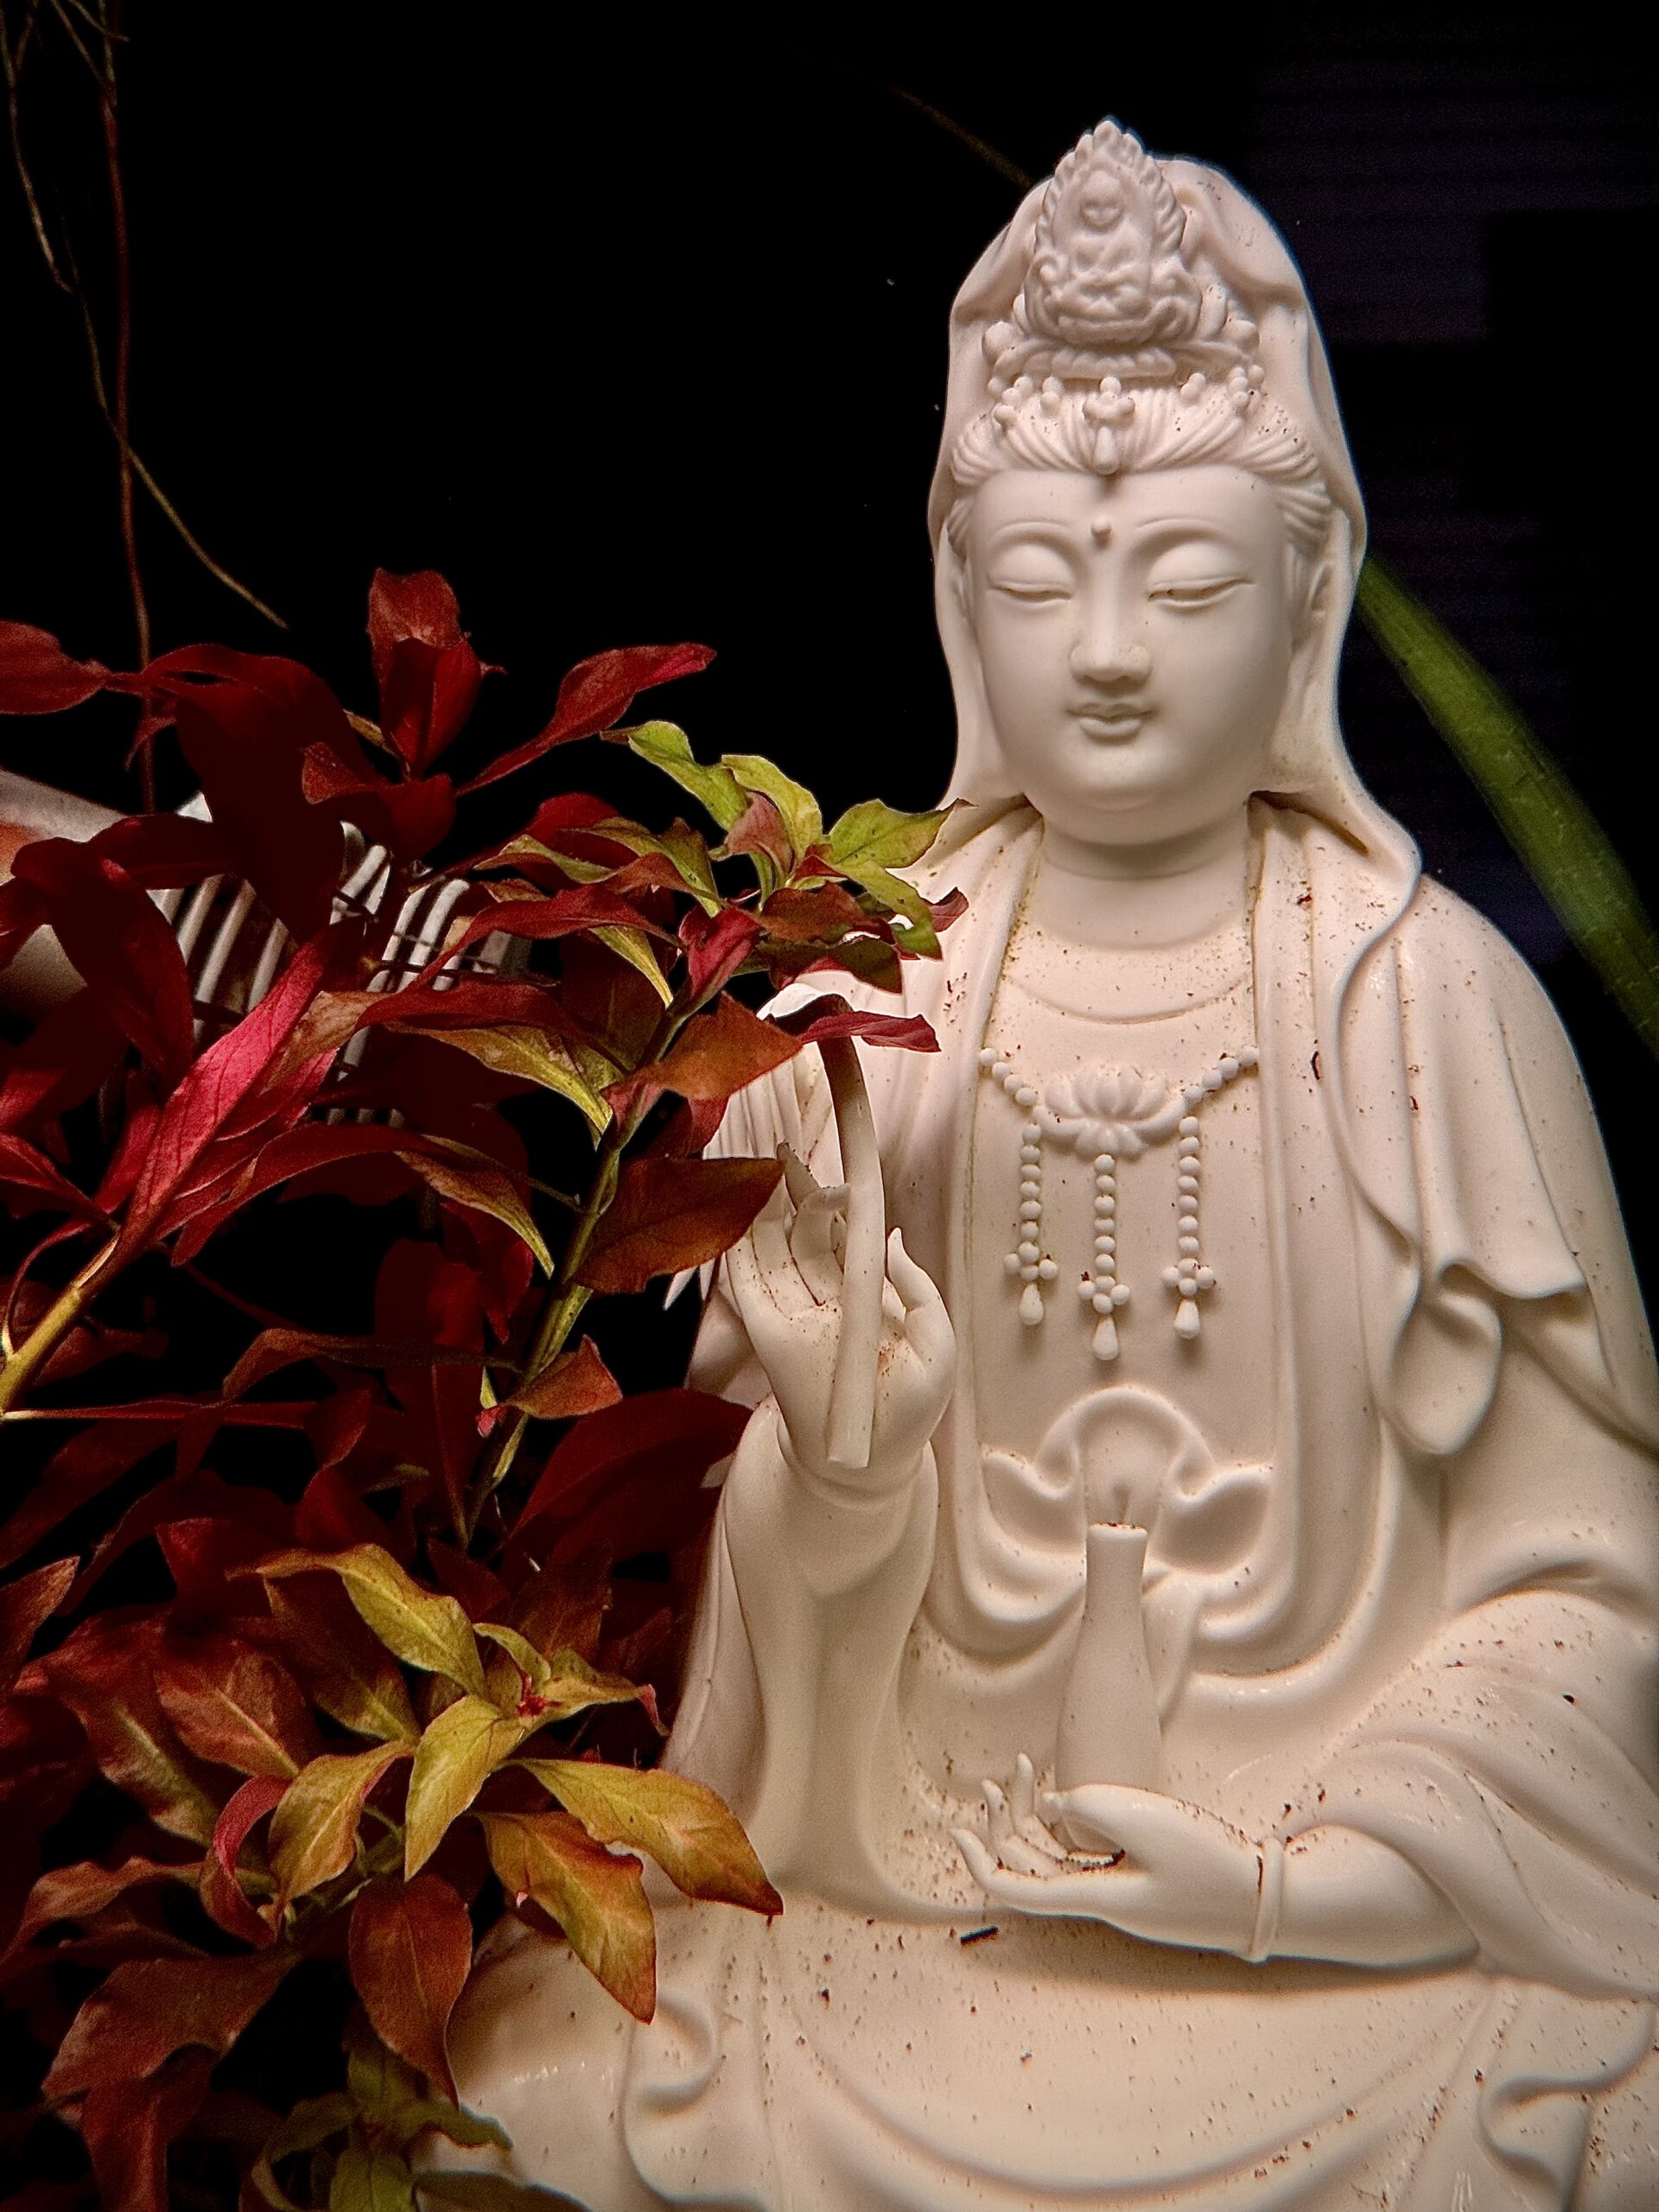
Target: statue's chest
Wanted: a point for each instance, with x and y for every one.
(1118, 1227)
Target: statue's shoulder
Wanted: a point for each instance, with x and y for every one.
(1452, 950)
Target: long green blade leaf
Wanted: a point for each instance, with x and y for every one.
(1563, 845)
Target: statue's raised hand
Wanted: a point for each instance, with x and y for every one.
(788, 1279)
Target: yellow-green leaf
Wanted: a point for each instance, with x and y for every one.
(422, 1628)
(455, 1758)
(565, 1684)
(875, 836)
(1568, 853)
(793, 801)
(691, 1833)
(596, 1897)
(634, 947)
(314, 1828)
(666, 746)
(513, 1050)
(487, 1189)
(483, 2192)
(366, 2180)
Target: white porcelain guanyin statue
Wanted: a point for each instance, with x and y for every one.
(1208, 1754)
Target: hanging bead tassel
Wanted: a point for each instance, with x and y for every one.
(1100, 1285)
(1027, 1261)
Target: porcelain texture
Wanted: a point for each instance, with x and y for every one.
(1207, 1753)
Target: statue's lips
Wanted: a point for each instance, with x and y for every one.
(1109, 723)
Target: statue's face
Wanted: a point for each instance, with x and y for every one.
(1137, 636)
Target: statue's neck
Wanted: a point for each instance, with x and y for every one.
(1139, 898)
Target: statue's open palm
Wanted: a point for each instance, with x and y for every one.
(786, 1281)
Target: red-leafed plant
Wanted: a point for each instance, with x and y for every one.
(302, 1681)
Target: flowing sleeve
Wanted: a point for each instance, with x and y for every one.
(1514, 1761)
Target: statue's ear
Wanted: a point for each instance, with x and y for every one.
(1312, 601)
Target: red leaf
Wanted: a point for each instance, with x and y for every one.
(127, 2130)
(681, 1432)
(481, 1593)
(824, 914)
(331, 1516)
(420, 1294)
(410, 1950)
(114, 934)
(716, 948)
(104, 1673)
(245, 735)
(470, 1003)
(78, 1471)
(149, 2008)
(409, 819)
(38, 678)
(192, 1495)
(164, 851)
(24, 1604)
(28, 1181)
(235, 1705)
(219, 1086)
(222, 1895)
(595, 695)
(831, 1016)
(80, 1892)
(64, 1059)
(427, 674)
(669, 1214)
(565, 914)
(716, 1054)
(575, 1382)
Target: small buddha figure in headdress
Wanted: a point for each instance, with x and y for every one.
(1207, 1752)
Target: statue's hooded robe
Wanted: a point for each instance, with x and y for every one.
(1444, 1634)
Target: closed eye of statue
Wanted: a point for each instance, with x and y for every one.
(1196, 591)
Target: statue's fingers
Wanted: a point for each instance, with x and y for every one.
(1022, 1857)
(927, 1325)
(1022, 1793)
(799, 1177)
(981, 1862)
(998, 1821)
(812, 1241)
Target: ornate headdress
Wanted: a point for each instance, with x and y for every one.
(1108, 301)
(1130, 291)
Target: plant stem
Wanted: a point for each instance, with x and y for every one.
(567, 1297)
(45, 1337)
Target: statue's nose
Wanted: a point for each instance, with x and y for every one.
(1109, 660)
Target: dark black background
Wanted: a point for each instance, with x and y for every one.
(641, 336)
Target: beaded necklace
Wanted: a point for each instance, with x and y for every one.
(1111, 1115)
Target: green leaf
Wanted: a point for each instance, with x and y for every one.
(466, 2128)
(311, 2122)
(423, 1629)
(314, 1828)
(679, 843)
(875, 836)
(666, 746)
(793, 801)
(1565, 849)
(368, 2181)
(379, 2083)
(533, 1057)
(691, 1833)
(455, 1758)
(596, 1897)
